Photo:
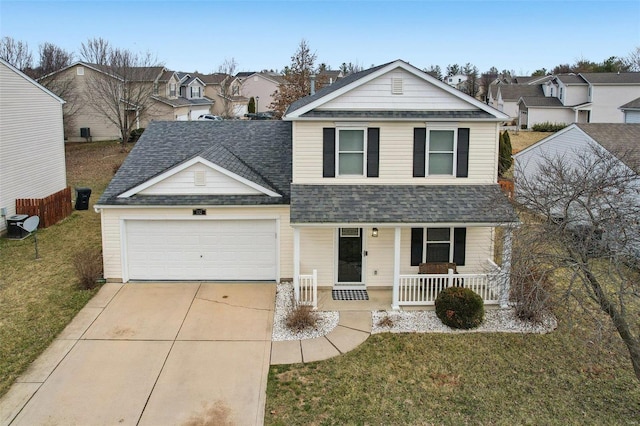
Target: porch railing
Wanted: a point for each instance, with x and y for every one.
(422, 289)
(307, 293)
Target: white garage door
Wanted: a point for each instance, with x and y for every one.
(201, 249)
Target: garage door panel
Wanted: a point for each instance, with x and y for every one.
(201, 250)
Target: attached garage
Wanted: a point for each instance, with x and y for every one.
(209, 250)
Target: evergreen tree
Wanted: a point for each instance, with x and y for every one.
(505, 160)
(251, 108)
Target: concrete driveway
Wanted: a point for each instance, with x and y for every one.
(154, 354)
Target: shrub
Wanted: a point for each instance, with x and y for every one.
(135, 134)
(460, 307)
(548, 127)
(385, 321)
(251, 108)
(301, 317)
(505, 160)
(88, 266)
(116, 167)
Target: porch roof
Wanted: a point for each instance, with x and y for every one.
(410, 204)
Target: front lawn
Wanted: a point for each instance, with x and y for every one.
(38, 298)
(460, 379)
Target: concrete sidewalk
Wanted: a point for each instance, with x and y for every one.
(154, 354)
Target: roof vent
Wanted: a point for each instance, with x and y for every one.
(200, 178)
(396, 85)
(80, 71)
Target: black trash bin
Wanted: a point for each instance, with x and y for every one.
(13, 226)
(82, 198)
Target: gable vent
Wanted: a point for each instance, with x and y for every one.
(396, 85)
(80, 71)
(200, 178)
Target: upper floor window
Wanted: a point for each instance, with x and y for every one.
(195, 91)
(172, 90)
(351, 152)
(441, 152)
(561, 93)
(235, 90)
(155, 88)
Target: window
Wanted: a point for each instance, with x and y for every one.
(351, 149)
(235, 90)
(438, 245)
(155, 88)
(195, 91)
(561, 93)
(172, 90)
(441, 152)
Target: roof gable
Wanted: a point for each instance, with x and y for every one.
(328, 97)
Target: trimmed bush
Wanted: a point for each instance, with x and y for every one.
(459, 307)
(301, 317)
(135, 134)
(548, 127)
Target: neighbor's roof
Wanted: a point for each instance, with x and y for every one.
(570, 79)
(215, 78)
(400, 204)
(621, 139)
(259, 151)
(541, 101)
(611, 77)
(178, 102)
(634, 104)
(516, 91)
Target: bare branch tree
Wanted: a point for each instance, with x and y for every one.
(586, 210)
(52, 58)
(17, 53)
(228, 67)
(121, 92)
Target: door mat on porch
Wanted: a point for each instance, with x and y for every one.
(349, 295)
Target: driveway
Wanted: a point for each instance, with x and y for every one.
(154, 354)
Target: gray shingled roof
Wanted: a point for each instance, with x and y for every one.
(511, 92)
(571, 79)
(256, 150)
(541, 101)
(178, 102)
(400, 204)
(339, 84)
(632, 105)
(620, 139)
(418, 115)
(612, 77)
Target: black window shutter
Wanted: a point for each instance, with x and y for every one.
(373, 152)
(416, 246)
(419, 147)
(459, 245)
(328, 152)
(462, 164)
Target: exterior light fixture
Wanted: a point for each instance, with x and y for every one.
(374, 232)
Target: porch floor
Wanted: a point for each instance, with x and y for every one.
(379, 300)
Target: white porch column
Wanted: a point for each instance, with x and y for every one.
(506, 267)
(395, 304)
(296, 263)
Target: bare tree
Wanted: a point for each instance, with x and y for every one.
(52, 58)
(585, 207)
(633, 60)
(297, 78)
(351, 68)
(121, 91)
(434, 71)
(17, 53)
(229, 68)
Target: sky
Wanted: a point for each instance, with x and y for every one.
(517, 35)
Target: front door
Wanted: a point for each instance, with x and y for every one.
(350, 256)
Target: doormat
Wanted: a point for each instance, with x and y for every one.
(349, 295)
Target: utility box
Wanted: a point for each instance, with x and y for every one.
(85, 132)
(82, 198)
(14, 224)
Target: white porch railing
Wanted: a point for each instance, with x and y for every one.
(307, 291)
(422, 289)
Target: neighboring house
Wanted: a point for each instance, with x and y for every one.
(631, 111)
(32, 160)
(363, 181)
(261, 86)
(180, 96)
(505, 97)
(580, 98)
(456, 80)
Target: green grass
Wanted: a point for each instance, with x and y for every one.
(38, 298)
(460, 379)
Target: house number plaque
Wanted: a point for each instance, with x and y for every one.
(199, 212)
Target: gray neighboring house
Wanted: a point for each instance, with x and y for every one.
(361, 182)
(631, 111)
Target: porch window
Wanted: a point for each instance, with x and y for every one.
(441, 154)
(351, 152)
(438, 245)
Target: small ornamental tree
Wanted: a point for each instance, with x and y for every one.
(505, 160)
(251, 108)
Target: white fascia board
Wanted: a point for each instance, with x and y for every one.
(404, 225)
(190, 163)
(395, 120)
(100, 207)
(550, 138)
(32, 81)
(201, 82)
(409, 68)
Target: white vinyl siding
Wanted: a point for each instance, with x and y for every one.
(552, 115)
(416, 95)
(184, 182)
(32, 159)
(112, 231)
(317, 251)
(396, 155)
(632, 116)
(607, 101)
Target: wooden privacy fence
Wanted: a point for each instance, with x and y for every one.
(51, 209)
(507, 186)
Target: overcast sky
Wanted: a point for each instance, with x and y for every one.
(199, 35)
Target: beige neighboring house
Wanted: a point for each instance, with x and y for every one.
(358, 185)
(261, 86)
(32, 161)
(580, 98)
(180, 97)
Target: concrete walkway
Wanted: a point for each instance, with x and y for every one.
(154, 354)
(354, 327)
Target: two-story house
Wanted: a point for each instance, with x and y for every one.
(180, 96)
(362, 182)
